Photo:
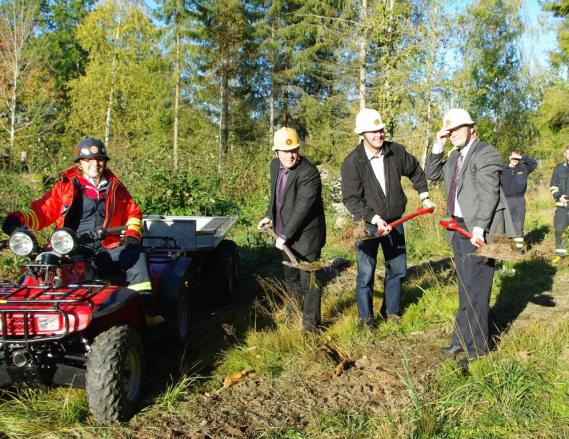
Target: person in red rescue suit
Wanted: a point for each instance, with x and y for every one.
(88, 197)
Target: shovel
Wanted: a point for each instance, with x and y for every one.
(305, 266)
(420, 211)
(499, 250)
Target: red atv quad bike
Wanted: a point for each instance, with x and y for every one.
(63, 315)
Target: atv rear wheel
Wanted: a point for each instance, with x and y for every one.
(115, 371)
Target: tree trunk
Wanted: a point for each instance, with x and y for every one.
(285, 105)
(363, 45)
(272, 92)
(177, 93)
(224, 103)
(13, 105)
(114, 67)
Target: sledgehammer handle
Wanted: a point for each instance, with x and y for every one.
(418, 212)
(451, 224)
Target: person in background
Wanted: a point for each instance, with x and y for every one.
(372, 192)
(296, 213)
(471, 177)
(559, 187)
(514, 181)
(89, 197)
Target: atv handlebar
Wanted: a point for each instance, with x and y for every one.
(101, 232)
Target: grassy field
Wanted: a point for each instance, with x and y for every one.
(349, 382)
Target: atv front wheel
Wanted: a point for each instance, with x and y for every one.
(115, 371)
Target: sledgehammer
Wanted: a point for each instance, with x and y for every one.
(418, 212)
(451, 224)
(499, 248)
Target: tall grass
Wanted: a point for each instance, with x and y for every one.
(518, 391)
(27, 412)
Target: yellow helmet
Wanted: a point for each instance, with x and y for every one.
(286, 139)
(456, 117)
(368, 120)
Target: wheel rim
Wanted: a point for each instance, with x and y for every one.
(183, 316)
(132, 374)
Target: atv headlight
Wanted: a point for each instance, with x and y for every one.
(22, 243)
(63, 241)
(48, 322)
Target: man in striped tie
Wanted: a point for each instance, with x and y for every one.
(475, 200)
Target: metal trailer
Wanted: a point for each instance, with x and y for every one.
(214, 267)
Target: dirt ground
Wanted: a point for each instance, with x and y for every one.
(377, 383)
(372, 384)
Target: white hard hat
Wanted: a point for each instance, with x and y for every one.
(456, 117)
(286, 139)
(368, 120)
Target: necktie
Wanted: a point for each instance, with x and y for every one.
(453, 185)
(283, 177)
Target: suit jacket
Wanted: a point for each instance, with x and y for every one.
(302, 212)
(479, 194)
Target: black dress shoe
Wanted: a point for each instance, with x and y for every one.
(452, 350)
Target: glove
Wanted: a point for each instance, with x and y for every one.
(427, 204)
(130, 241)
(279, 243)
(11, 223)
(265, 222)
(477, 239)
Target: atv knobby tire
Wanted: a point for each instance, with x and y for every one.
(115, 371)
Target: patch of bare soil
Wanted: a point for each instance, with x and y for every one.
(380, 382)
(376, 383)
(355, 231)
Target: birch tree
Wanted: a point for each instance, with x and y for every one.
(17, 23)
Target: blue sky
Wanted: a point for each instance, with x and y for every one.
(539, 36)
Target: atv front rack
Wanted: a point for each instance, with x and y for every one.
(14, 301)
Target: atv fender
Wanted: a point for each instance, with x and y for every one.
(171, 281)
(124, 306)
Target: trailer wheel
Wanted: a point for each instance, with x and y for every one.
(226, 270)
(179, 322)
(115, 371)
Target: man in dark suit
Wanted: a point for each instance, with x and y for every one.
(475, 200)
(296, 213)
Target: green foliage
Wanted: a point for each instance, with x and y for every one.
(560, 8)
(181, 194)
(348, 424)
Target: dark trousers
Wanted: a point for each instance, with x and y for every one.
(394, 252)
(560, 223)
(475, 276)
(128, 260)
(309, 286)
(517, 207)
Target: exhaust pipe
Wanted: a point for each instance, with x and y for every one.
(20, 358)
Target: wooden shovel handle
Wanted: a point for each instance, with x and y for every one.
(285, 248)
